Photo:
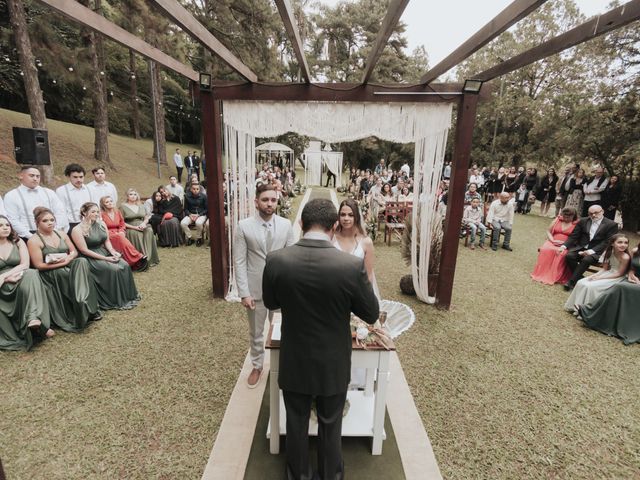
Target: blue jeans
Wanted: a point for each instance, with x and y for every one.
(474, 228)
(495, 236)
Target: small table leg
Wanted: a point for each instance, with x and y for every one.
(274, 401)
(380, 403)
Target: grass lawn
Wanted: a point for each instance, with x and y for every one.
(508, 385)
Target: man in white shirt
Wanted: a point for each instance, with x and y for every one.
(20, 202)
(500, 216)
(177, 159)
(406, 169)
(592, 190)
(101, 188)
(74, 193)
(175, 188)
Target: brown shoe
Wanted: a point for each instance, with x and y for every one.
(254, 378)
(482, 247)
(472, 246)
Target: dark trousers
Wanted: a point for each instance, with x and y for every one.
(579, 264)
(179, 174)
(329, 410)
(610, 214)
(329, 176)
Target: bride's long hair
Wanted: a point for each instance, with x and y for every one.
(357, 217)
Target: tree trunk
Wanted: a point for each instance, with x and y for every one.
(99, 93)
(134, 121)
(31, 82)
(157, 104)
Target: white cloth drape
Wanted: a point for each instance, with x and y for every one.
(313, 168)
(426, 124)
(333, 161)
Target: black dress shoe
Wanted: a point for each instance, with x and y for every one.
(568, 286)
(199, 242)
(94, 317)
(494, 248)
(189, 242)
(507, 247)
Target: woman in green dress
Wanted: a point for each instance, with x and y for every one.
(23, 305)
(67, 279)
(112, 275)
(138, 231)
(617, 311)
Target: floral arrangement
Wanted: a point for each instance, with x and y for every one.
(285, 207)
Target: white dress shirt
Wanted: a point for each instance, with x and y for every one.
(503, 212)
(592, 190)
(178, 191)
(477, 179)
(177, 159)
(595, 225)
(73, 198)
(103, 190)
(20, 202)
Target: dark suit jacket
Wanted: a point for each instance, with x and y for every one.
(317, 287)
(579, 238)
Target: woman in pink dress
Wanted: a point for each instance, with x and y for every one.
(114, 221)
(551, 266)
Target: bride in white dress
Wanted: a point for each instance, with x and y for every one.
(350, 237)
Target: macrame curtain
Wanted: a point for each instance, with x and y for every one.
(313, 168)
(425, 124)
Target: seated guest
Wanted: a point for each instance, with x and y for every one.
(138, 230)
(66, 278)
(472, 219)
(551, 266)
(175, 188)
(23, 303)
(116, 228)
(112, 275)
(152, 207)
(195, 213)
(615, 312)
(100, 187)
(74, 193)
(587, 242)
(20, 202)
(500, 216)
(472, 193)
(405, 196)
(170, 210)
(614, 268)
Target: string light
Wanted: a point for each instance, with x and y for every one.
(54, 81)
(101, 73)
(38, 63)
(84, 88)
(21, 73)
(70, 69)
(6, 58)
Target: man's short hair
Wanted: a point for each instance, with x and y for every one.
(73, 168)
(28, 167)
(319, 212)
(173, 176)
(94, 170)
(264, 187)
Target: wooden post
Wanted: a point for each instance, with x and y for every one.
(212, 136)
(2, 475)
(455, 203)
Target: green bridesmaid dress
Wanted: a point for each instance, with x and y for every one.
(70, 290)
(114, 281)
(144, 241)
(20, 303)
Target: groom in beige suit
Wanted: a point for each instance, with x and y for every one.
(255, 237)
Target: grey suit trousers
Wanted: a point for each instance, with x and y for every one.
(256, 320)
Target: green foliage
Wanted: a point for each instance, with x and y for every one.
(629, 204)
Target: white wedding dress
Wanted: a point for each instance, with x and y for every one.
(358, 251)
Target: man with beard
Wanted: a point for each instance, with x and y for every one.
(255, 237)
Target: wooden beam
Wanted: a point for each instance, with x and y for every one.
(596, 26)
(290, 25)
(455, 200)
(90, 19)
(193, 27)
(338, 92)
(212, 139)
(391, 19)
(513, 13)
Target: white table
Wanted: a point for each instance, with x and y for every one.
(366, 413)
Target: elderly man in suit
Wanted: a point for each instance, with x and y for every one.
(587, 242)
(317, 287)
(255, 237)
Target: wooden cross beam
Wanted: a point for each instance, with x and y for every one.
(596, 26)
(199, 32)
(513, 13)
(290, 25)
(391, 19)
(96, 22)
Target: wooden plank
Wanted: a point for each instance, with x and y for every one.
(90, 19)
(212, 138)
(513, 13)
(199, 32)
(391, 19)
(336, 92)
(596, 26)
(290, 25)
(455, 200)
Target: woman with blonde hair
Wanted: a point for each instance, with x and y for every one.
(67, 279)
(113, 278)
(138, 230)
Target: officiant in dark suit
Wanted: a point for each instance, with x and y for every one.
(587, 242)
(317, 287)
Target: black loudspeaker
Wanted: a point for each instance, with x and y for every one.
(31, 146)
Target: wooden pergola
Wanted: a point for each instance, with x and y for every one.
(425, 91)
